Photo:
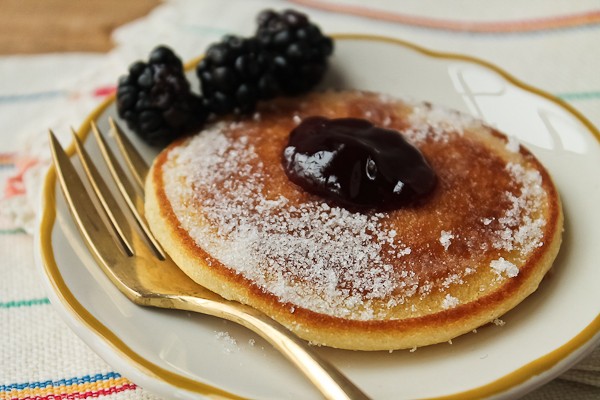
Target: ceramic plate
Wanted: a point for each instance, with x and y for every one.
(177, 354)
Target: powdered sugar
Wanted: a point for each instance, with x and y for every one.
(312, 167)
(445, 238)
(504, 268)
(398, 187)
(230, 344)
(449, 302)
(517, 227)
(512, 144)
(323, 258)
(436, 123)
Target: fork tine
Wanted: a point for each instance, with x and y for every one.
(135, 162)
(107, 200)
(133, 200)
(97, 235)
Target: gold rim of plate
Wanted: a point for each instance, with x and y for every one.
(502, 384)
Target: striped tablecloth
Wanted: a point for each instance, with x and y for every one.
(552, 45)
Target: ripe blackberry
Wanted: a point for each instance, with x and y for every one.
(295, 49)
(231, 75)
(155, 99)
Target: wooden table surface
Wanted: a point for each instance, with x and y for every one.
(45, 26)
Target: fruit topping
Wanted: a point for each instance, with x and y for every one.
(356, 164)
(231, 75)
(296, 51)
(288, 56)
(156, 101)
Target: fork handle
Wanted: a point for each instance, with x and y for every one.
(332, 384)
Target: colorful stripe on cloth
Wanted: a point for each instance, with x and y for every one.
(48, 94)
(568, 21)
(72, 388)
(102, 91)
(24, 303)
(7, 159)
(14, 231)
(14, 184)
(578, 96)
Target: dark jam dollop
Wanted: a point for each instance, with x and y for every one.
(357, 164)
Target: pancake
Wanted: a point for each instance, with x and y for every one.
(223, 208)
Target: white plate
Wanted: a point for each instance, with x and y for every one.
(177, 354)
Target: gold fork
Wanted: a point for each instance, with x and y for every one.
(135, 262)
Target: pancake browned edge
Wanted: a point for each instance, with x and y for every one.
(222, 207)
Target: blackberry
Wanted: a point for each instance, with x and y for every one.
(231, 75)
(296, 51)
(155, 99)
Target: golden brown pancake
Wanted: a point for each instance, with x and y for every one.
(223, 208)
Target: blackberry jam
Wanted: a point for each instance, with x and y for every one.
(356, 164)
